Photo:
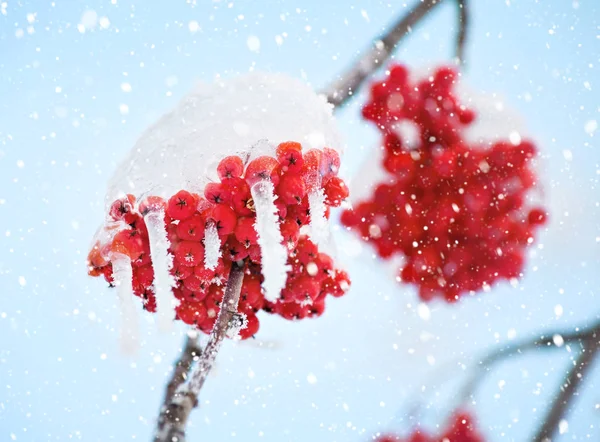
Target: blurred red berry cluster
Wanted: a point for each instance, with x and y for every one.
(461, 429)
(455, 211)
(228, 206)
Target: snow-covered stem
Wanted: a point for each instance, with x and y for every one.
(590, 348)
(123, 281)
(342, 89)
(162, 262)
(174, 416)
(273, 253)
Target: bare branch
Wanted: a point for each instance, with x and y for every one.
(463, 26)
(545, 342)
(568, 389)
(172, 422)
(191, 349)
(341, 90)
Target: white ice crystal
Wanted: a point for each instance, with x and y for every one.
(162, 263)
(272, 252)
(319, 227)
(212, 246)
(123, 277)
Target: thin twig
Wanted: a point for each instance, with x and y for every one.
(182, 367)
(568, 389)
(463, 26)
(172, 422)
(341, 90)
(545, 342)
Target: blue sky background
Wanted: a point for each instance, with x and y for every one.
(358, 369)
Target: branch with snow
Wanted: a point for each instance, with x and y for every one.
(342, 90)
(172, 422)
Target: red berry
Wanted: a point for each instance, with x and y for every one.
(251, 327)
(330, 163)
(191, 229)
(129, 244)
(122, 209)
(290, 232)
(234, 250)
(262, 169)
(224, 218)
(291, 189)
(537, 217)
(182, 205)
(245, 232)
(189, 253)
(152, 204)
(289, 155)
(336, 191)
(217, 193)
(191, 313)
(230, 167)
(311, 168)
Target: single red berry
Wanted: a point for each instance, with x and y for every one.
(251, 328)
(189, 253)
(330, 163)
(233, 250)
(182, 205)
(191, 229)
(122, 209)
(126, 243)
(290, 232)
(537, 217)
(230, 167)
(289, 155)
(217, 193)
(191, 314)
(311, 168)
(224, 218)
(245, 232)
(336, 191)
(152, 204)
(291, 189)
(262, 169)
(180, 271)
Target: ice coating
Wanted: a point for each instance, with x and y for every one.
(123, 276)
(182, 149)
(212, 247)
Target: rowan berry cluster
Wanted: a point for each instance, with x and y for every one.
(461, 429)
(455, 211)
(228, 206)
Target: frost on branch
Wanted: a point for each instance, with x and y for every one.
(233, 174)
(272, 250)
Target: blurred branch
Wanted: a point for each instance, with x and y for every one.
(341, 90)
(568, 389)
(545, 342)
(191, 349)
(173, 419)
(463, 26)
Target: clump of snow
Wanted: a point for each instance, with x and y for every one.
(162, 263)
(228, 117)
(273, 252)
(123, 279)
(212, 246)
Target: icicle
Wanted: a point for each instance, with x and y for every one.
(123, 276)
(273, 252)
(162, 262)
(319, 227)
(212, 246)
